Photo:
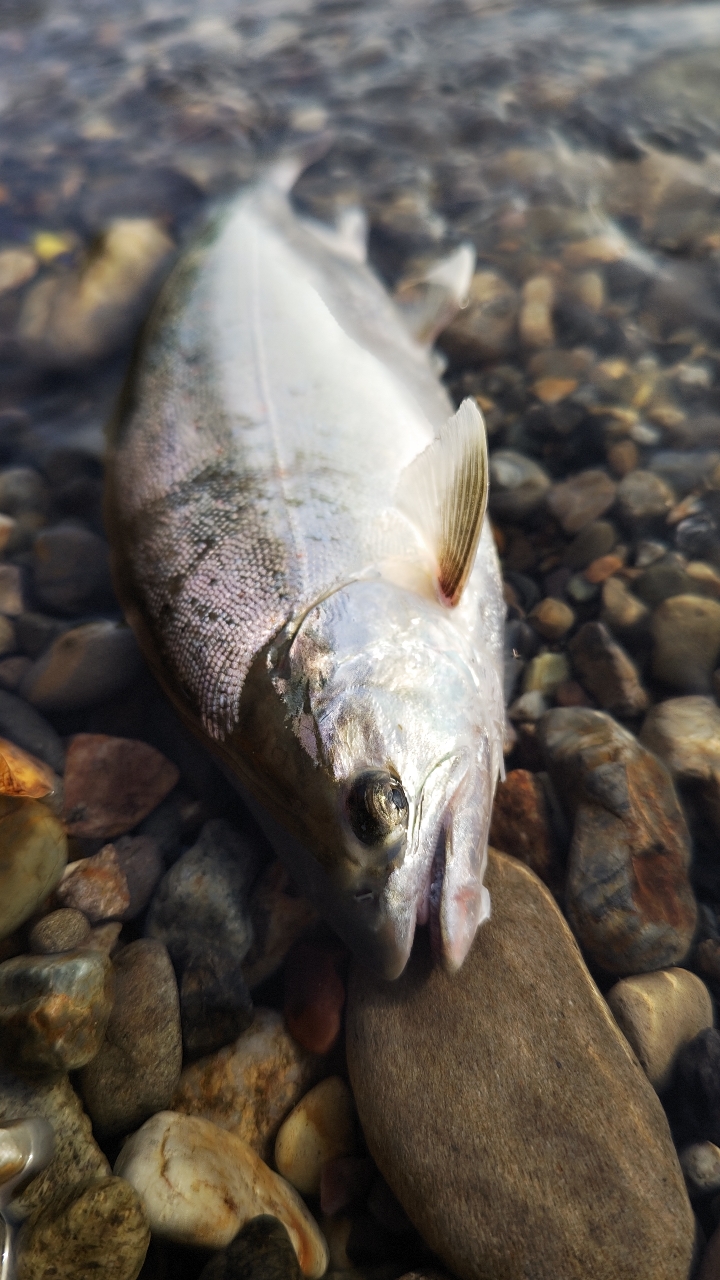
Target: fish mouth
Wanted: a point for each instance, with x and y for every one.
(452, 912)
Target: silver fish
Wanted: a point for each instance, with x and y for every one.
(297, 521)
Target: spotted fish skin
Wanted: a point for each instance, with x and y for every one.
(279, 589)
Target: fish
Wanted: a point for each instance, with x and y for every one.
(296, 514)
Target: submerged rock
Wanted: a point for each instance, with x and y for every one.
(33, 854)
(320, 1128)
(111, 784)
(606, 671)
(95, 1228)
(504, 1107)
(53, 1011)
(262, 1250)
(658, 1013)
(686, 642)
(85, 665)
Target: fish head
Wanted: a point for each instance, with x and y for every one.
(401, 734)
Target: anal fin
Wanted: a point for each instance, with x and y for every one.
(444, 493)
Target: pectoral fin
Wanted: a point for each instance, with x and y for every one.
(444, 493)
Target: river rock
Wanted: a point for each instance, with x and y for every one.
(521, 826)
(11, 591)
(685, 734)
(111, 784)
(552, 618)
(200, 912)
(53, 1011)
(77, 1155)
(25, 726)
(700, 1163)
(250, 1086)
(644, 499)
(137, 1067)
(628, 895)
(621, 611)
(24, 775)
(606, 671)
(13, 671)
(658, 1013)
(697, 1089)
(686, 642)
(83, 666)
(262, 1250)
(545, 672)
(485, 328)
(581, 499)
(279, 915)
(314, 995)
(33, 854)
(503, 1105)
(96, 886)
(518, 485)
(141, 863)
(61, 930)
(71, 569)
(37, 631)
(320, 1128)
(200, 1184)
(597, 539)
(96, 1228)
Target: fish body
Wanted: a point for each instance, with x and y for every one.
(273, 470)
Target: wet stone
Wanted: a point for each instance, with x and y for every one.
(621, 611)
(137, 1067)
(320, 1128)
(345, 1181)
(528, 708)
(250, 1086)
(700, 1163)
(200, 1185)
(643, 499)
(697, 1089)
(215, 1003)
(545, 672)
(518, 486)
(23, 725)
(22, 489)
(486, 328)
(581, 499)
(606, 671)
(667, 577)
(12, 599)
(314, 996)
(13, 671)
(62, 930)
(37, 631)
(597, 539)
(521, 825)
(552, 618)
(111, 784)
(279, 915)
(83, 666)
(628, 896)
(33, 854)
(98, 1227)
(96, 886)
(471, 1072)
(262, 1250)
(71, 571)
(658, 1013)
(53, 1011)
(686, 642)
(140, 862)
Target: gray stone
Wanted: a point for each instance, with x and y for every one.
(137, 1067)
(597, 539)
(33, 854)
(503, 1106)
(643, 500)
(700, 1162)
(518, 486)
(578, 501)
(280, 915)
(22, 489)
(96, 1228)
(53, 1011)
(139, 859)
(667, 577)
(83, 666)
(77, 1155)
(62, 930)
(686, 642)
(13, 671)
(24, 726)
(628, 895)
(606, 671)
(71, 569)
(684, 471)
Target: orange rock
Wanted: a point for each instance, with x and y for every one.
(22, 774)
(602, 568)
(550, 390)
(520, 825)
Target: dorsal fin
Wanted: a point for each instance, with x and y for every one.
(444, 492)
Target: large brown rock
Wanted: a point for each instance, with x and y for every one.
(507, 1112)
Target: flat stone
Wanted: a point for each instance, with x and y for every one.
(518, 485)
(581, 499)
(314, 996)
(700, 1163)
(512, 1075)
(33, 854)
(86, 313)
(621, 610)
(643, 499)
(25, 726)
(200, 1185)
(96, 886)
(262, 1250)
(62, 930)
(83, 666)
(606, 671)
(137, 1067)
(71, 569)
(111, 784)
(658, 1013)
(279, 915)
(250, 1086)
(628, 896)
(77, 1155)
(53, 1011)
(552, 618)
(686, 642)
(96, 1228)
(320, 1128)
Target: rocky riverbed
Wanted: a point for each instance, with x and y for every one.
(231, 1098)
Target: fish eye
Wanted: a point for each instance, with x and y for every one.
(377, 808)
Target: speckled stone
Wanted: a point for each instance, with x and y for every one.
(628, 895)
(700, 1163)
(137, 1067)
(521, 826)
(606, 671)
(53, 1011)
(62, 930)
(96, 886)
(503, 1106)
(260, 1251)
(658, 1013)
(33, 854)
(96, 1228)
